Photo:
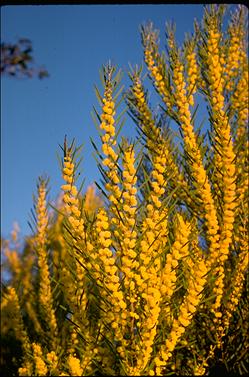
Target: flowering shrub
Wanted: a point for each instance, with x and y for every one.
(150, 279)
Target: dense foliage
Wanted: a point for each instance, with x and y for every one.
(151, 278)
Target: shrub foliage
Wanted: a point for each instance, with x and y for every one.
(149, 278)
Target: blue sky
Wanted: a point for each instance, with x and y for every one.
(72, 42)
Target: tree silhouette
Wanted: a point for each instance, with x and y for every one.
(17, 60)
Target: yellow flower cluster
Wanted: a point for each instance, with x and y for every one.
(179, 250)
(126, 252)
(74, 366)
(219, 272)
(92, 201)
(216, 80)
(111, 279)
(72, 209)
(186, 312)
(237, 286)
(10, 302)
(224, 158)
(108, 149)
(70, 197)
(200, 370)
(148, 123)
(192, 75)
(153, 136)
(52, 360)
(170, 40)
(149, 280)
(73, 342)
(45, 294)
(129, 263)
(151, 248)
(215, 70)
(40, 366)
(236, 52)
(14, 261)
(41, 213)
(157, 72)
(108, 122)
(108, 125)
(240, 103)
(232, 60)
(201, 364)
(25, 370)
(199, 173)
(229, 190)
(103, 356)
(220, 70)
(21, 268)
(224, 161)
(16, 319)
(76, 293)
(87, 358)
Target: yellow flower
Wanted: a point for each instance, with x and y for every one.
(40, 366)
(74, 366)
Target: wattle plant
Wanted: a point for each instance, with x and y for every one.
(151, 277)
